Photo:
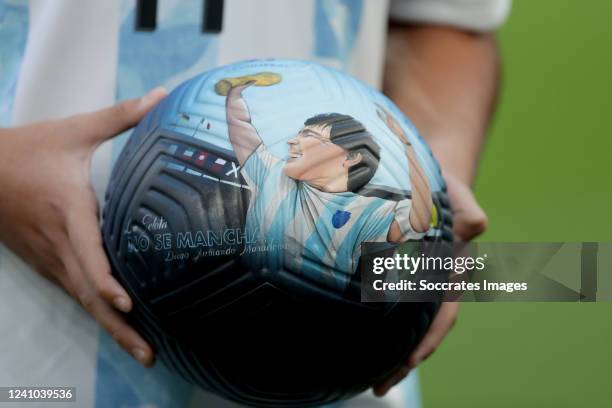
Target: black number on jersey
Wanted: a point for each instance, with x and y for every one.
(212, 20)
(212, 15)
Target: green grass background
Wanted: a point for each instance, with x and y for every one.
(546, 175)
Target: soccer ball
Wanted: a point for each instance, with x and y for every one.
(235, 218)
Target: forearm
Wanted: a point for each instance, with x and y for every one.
(242, 134)
(446, 81)
(421, 194)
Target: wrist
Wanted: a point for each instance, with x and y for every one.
(456, 160)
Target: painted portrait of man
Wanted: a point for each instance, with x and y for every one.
(307, 207)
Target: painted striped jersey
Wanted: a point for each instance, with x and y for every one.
(312, 232)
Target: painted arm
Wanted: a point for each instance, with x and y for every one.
(422, 204)
(242, 133)
(446, 80)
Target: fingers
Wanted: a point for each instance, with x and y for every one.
(236, 90)
(120, 331)
(443, 322)
(80, 287)
(381, 389)
(469, 219)
(86, 240)
(96, 127)
(392, 123)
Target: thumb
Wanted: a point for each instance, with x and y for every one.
(469, 219)
(96, 127)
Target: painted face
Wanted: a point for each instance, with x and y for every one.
(313, 158)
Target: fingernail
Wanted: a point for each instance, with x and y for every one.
(140, 355)
(122, 304)
(152, 95)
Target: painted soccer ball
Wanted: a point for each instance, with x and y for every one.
(236, 218)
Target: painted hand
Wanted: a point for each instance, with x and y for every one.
(223, 86)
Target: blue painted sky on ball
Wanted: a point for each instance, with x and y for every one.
(278, 112)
